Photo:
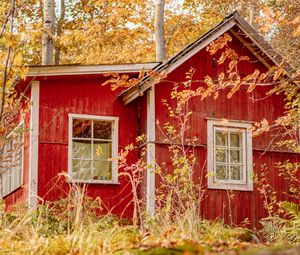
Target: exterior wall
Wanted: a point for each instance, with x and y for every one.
(80, 95)
(20, 196)
(242, 106)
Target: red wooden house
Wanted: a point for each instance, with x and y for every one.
(71, 115)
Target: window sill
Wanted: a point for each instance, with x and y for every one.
(233, 187)
(94, 182)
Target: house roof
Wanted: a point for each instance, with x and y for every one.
(58, 70)
(228, 23)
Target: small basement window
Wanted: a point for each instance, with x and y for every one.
(229, 150)
(93, 142)
(11, 173)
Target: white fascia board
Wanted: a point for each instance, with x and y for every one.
(258, 44)
(202, 45)
(36, 71)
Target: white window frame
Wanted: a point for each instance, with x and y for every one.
(229, 125)
(10, 136)
(115, 131)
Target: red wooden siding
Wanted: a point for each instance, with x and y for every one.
(83, 95)
(240, 107)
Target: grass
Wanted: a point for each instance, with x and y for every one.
(73, 226)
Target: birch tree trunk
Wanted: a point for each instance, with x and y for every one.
(59, 31)
(47, 38)
(159, 31)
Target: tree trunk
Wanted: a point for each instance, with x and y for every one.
(59, 31)
(47, 38)
(251, 12)
(159, 31)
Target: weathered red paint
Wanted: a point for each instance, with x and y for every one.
(20, 195)
(58, 98)
(242, 106)
(83, 94)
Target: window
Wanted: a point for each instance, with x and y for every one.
(12, 157)
(229, 150)
(93, 142)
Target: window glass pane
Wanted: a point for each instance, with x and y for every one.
(102, 129)
(102, 150)
(220, 155)
(7, 157)
(12, 161)
(235, 139)
(82, 169)
(82, 128)
(82, 149)
(235, 173)
(5, 183)
(15, 178)
(236, 156)
(221, 172)
(102, 170)
(221, 138)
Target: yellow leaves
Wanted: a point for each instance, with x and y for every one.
(218, 44)
(235, 88)
(228, 53)
(121, 81)
(244, 58)
(278, 72)
(232, 65)
(260, 128)
(99, 151)
(251, 87)
(157, 76)
(296, 22)
(18, 59)
(189, 75)
(23, 72)
(125, 81)
(209, 81)
(216, 94)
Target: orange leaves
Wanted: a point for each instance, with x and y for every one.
(278, 72)
(219, 43)
(228, 53)
(251, 87)
(120, 81)
(125, 81)
(233, 78)
(260, 128)
(236, 82)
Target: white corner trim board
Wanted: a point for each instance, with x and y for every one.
(34, 145)
(150, 190)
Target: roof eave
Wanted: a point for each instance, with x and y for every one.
(38, 71)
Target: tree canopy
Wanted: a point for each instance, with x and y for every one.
(103, 31)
